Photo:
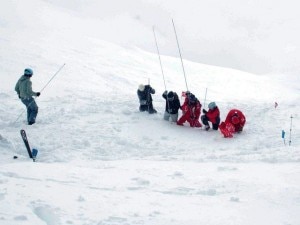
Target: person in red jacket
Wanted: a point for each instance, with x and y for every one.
(212, 115)
(234, 123)
(191, 110)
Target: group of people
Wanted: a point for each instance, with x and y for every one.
(191, 108)
(191, 111)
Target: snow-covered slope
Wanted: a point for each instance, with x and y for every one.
(101, 161)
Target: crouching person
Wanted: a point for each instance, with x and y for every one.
(172, 106)
(212, 115)
(144, 94)
(234, 123)
(191, 110)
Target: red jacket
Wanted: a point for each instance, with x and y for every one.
(193, 110)
(241, 119)
(213, 114)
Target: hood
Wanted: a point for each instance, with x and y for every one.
(23, 77)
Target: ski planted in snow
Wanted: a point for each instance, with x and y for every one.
(32, 154)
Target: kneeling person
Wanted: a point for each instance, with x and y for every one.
(191, 110)
(234, 123)
(172, 106)
(212, 115)
(144, 94)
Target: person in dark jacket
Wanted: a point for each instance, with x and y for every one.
(25, 93)
(212, 115)
(172, 105)
(144, 94)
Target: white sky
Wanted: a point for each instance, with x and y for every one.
(255, 36)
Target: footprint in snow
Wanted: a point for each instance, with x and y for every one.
(48, 214)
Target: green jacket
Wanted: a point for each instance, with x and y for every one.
(24, 87)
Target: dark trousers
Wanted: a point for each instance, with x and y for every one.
(205, 121)
(149, 108)
(32, 109)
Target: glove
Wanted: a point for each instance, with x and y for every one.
(38, 94)
(204, 111)
(165, 92)
(240, 129)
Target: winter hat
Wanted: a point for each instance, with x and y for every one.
(170, 96)
(212, 105)
(235, 120)
(28, 72)
(192, 98)
(141, 87)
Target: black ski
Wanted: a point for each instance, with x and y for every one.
(24, 137)
(32, 154)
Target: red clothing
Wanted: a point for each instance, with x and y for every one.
(227, 129)
(242, 119)
(213, 114)
(231, 125)
(191, 113)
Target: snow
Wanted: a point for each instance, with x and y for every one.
(103, 162)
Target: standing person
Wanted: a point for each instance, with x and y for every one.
(144, 94)
(172, 105)
(234, 123)
(212, 115)
(191, 110)
(25, 93)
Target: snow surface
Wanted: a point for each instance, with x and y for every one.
(102, 162)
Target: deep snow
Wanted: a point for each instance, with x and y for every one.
(101, 161)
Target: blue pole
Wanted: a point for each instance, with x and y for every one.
(282, 135)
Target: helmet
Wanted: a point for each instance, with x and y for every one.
(170, 96)
(212, 105)
(28, 72)
(235, 120)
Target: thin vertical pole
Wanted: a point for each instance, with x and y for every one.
(205, 97)
(290, 142)
(180, 56)
(162, 71)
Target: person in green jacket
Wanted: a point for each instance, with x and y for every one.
(25, 93)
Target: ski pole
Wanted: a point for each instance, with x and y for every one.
(42, 89)
(180, 56)
(53, 77)
(291, 131)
